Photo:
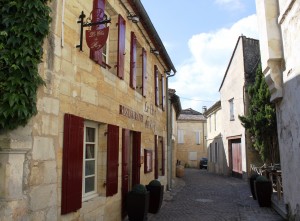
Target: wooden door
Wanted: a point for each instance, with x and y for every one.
(236, 158)
(125, 167)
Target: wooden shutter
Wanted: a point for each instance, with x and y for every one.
(112, 160)
(125, 167)
(136, 157)
(156, 157)
(121, 47)
(163, 92)
(144, 72)
(72, 164)
(162, 157)
(97, 15)
(133, 61)
(156, 85)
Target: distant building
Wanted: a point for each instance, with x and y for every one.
(191, 141)
(234, 102)
(217, 160)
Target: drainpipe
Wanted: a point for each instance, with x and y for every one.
(169, 136)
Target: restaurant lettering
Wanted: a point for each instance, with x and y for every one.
(130, 113)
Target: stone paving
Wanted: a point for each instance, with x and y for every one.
(201, 195)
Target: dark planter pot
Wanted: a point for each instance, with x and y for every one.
(137, 206)
(156, 197)
(263, 192)
(251, 181)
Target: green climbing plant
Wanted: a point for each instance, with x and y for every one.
(23, 26)
(261, 120)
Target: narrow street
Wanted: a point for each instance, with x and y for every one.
(201, 195)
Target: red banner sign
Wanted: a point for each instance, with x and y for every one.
(96, 39)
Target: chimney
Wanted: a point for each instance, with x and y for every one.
(204, 108)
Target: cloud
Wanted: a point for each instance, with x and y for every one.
(230, 4)
(198, 79)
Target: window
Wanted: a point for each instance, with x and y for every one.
(79, 166)
(159, 156)
(112, 55)
(198, 137)
(180, 136)
(90, 147)
(215, 121)
(216, 152)
(231, 104)
(156, 85)
(148, 161)
(210, 123)
(192, 155)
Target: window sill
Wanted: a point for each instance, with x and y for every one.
(88, 197)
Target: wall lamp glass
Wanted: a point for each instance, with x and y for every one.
(154, 51)
(133, 18)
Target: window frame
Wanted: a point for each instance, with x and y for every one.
(180, 134)
(231, 109)
(94, 193)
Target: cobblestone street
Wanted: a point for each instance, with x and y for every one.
(201, 195)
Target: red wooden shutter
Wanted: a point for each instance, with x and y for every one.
(163, 92)
(97, 15)
(112, 160)
(162, 157)
(121, 47)
(136, 158)
(156, 157)
(133, 61)
(156, 85)
(125, 167)
(72, 164)
(144, 71)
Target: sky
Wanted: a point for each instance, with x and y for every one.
(200, 36)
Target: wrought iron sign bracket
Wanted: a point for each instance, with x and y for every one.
(82, 25)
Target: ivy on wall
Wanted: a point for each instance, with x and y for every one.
(23, 26)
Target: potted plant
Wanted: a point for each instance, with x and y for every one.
(251, 181)
(263, 191)
(156, 195)
(137, 203)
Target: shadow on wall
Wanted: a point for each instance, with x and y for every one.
(217, 159)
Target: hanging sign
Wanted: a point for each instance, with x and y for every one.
(96, 39)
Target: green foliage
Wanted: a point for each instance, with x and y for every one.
(261, 120)
(139, 189)
(154, 183)
(261, 179)
(24, 24)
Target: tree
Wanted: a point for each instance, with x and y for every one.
(260, 121)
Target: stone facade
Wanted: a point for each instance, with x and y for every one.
(32, 157)
(191, 142)
(279, 25)
(240, 71)
(217, 161)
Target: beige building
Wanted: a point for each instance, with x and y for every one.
(101, 125)
(173, 114)
(234, 102)
(191, 142)
(217, 160)
(279, 32)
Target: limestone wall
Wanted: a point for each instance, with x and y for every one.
(31, 157)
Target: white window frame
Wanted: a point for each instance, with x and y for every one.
(215, 120)
(180, 136)
(91, 194)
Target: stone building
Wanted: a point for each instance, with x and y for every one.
(173, 114)
(217, 160)
(191, 142)
(101, 125)
(234, 102)
(279, 30)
